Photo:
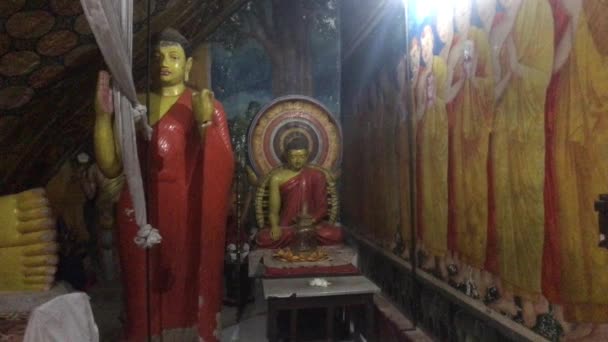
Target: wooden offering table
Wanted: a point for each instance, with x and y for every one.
(296, 293)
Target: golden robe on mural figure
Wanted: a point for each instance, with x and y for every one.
(581, 154)
(518, 154)
(433, 150)
(472, 109)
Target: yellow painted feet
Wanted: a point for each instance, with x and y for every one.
(27, 242)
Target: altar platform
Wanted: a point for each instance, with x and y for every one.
(342, 260)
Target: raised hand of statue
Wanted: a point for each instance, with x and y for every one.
(203, 106)
(27, 242)
(103, 95)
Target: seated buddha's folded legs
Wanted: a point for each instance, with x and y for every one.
(264, 240)
(326, 234)
(329, 235)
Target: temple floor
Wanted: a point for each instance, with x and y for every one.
(106, 302)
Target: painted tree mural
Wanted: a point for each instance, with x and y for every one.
(287, 31)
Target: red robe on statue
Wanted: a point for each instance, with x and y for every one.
(187, 188)
(308, 187)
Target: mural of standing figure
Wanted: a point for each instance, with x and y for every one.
(407, 93)
(433, 156)
(471, 108)
(445, 29)
(524, 42)
(581, 166)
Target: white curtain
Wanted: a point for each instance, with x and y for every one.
(112, 24)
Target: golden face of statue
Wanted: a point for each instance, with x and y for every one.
(171, 62)
(297, 159)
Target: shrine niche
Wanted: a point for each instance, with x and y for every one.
(294, 147)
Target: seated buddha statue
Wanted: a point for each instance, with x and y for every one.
(27, 242)
(294, 188)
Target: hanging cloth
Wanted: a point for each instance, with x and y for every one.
(111, 22)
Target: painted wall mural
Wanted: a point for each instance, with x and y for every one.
(272, 48)
(508, 101)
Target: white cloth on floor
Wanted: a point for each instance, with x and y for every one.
(67, 318)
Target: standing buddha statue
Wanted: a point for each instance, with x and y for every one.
(187, 167)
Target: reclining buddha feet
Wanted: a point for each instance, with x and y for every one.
(27, 242)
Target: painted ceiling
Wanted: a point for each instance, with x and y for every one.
(48, 66)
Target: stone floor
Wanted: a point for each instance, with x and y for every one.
(106, 302)
(252, 326)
